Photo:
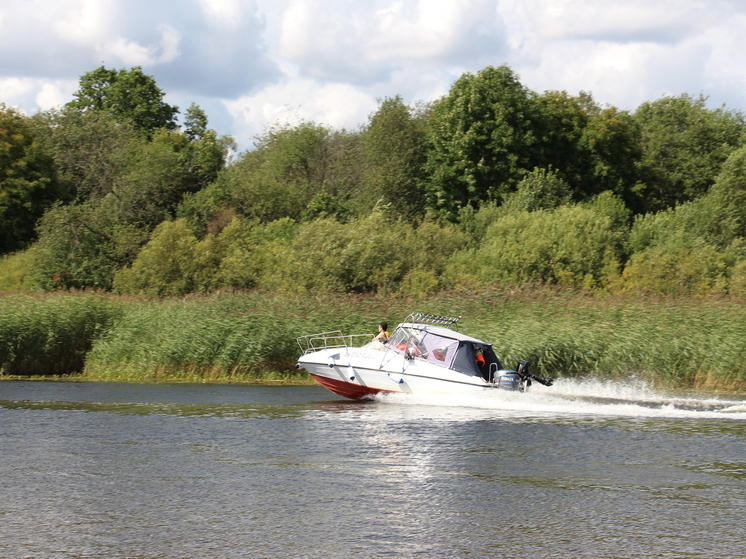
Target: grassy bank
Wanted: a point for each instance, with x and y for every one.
(245, 337)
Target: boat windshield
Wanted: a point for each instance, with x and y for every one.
(421, 344)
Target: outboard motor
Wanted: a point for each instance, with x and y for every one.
(528, 376)
(518, 380)
(509, 380)
(524, 373)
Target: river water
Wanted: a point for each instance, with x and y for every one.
(143, 471)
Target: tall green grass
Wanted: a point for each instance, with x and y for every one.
(252, 335)
(670, 343)
(51, 334)
(234, 336)
(200, 338)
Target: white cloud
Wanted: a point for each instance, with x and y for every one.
(335, 104)
(92, 25)
(366, 43)
(83, 23)
(32, 94)
(628, 21)
(727, 45)
(51, 95)
(13, 90)
(625, 52)
(330, 59)
(432, 29)
(226, 13)
(131, 53)
(624, 75)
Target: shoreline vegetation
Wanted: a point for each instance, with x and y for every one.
(136, 247)
(250, 337)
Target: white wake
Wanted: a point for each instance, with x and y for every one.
(568, 397)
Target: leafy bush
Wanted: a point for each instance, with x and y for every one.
(254, 252)
(16, 271)
(165, 266)
(539, 189)
(693, 249)
(571, 245)
(679, 268)
(737, 285)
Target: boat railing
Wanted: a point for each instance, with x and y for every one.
(331, 340)
(432, 319)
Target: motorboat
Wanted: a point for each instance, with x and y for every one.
(424, 355)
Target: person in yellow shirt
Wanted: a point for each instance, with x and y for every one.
(383, 335)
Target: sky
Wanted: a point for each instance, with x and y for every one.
(253, 63)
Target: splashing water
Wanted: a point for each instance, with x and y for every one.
(570, 397)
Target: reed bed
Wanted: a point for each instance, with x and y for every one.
(252, 336)
(205, 338)
(52, 334)
(666, 343)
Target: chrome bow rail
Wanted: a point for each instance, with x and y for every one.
(330, 340)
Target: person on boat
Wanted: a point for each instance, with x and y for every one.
(383, 335)
(480, 361)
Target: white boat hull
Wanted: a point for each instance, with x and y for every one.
(359, 372)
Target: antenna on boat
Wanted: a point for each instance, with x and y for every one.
(432, 318)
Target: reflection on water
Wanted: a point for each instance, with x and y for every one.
(180, 471)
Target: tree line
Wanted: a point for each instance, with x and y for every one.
(491, 184)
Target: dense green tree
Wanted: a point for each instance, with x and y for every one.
(90, 149)
(195, 123)
(718, 218)
(685, 144)
(299, 171)
(83, 246)
(126, 95)
(481, 138)
(202, 157)
(541, 188)
(283, 173)
(340, 194)
(682, 264)
(124, 185)
(395, 147)
(376, 255)
(689, 249)
(611, 142)
(559, 126)
(283, 256)
(96, 157)
(205, 153)
(258, 254)
(725, 203)
(593, 149)
(368, 253)
(28, 183)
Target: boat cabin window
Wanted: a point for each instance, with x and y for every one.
(470, 358)
(421, 344)
(467, 361)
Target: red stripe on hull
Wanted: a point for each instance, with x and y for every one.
(346, 389)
